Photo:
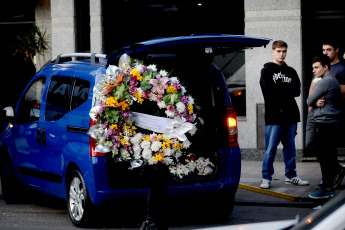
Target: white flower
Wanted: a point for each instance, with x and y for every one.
(135, 140)
(152, 67)
(147, 154)
(174, 80)
(180, 107)
(172, 170)
(183, 90)
(140, 91)
(190, 100)
(186, 144)
(138, 66)
(156, 145)
(168, 152)
(151, 161)
(169, 113)
(178, 154)
(145, 145)
(163, 73)
(108, 144)
(153, 97)
(191, 166)
(192, 131)
(167, 161)
(161, 105)
(204, 166)
(137, 151)
(125, 154)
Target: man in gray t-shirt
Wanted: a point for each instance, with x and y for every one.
(325, 99)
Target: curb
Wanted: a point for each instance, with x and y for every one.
(269, 192)
(303, 202)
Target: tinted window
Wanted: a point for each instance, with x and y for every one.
(233, 68)
(29, 106)
(80, 92)
(58, 98)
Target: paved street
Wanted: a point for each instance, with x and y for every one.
(252, 204)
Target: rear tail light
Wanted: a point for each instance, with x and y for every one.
(230, 123)
(93, 143)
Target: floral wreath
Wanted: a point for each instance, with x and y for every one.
(116, 129)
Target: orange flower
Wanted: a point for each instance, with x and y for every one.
(119, 79)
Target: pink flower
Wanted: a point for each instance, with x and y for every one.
(159, 84)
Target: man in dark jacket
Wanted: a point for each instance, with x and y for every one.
(280, 85)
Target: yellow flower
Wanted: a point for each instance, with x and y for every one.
(139, 97)
(166, 144)
(158, 157)
(111, 101)
(190, 109)
(177, 145)
(147, 138)
(113, 126)
(135, 73)
(125, 106)
(171, 89)
(124, 141)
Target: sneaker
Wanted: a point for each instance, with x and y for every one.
(265, 184)
(339, 178)
(322, 194)
(296, 181)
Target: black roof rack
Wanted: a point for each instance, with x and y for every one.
(61, 58)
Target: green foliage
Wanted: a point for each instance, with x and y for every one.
(32, 43)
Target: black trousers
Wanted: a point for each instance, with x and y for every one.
(327, 140)
(158, 180)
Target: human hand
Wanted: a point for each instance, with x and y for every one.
(321, 102)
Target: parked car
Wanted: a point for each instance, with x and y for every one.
(327, 216)
(46, 145)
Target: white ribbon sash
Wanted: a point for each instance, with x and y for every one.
(176, 128)
(153, 123)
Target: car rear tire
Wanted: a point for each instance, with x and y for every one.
(11, 188)
(78, 200)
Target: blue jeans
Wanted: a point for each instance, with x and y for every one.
(274, 134)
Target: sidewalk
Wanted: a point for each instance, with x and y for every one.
(310, 171)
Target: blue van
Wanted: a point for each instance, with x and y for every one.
(46, 144)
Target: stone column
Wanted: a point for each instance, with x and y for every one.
(96, 24)
(63, 27)
(43, 21)
(278, 20)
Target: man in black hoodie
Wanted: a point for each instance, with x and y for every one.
(280, 85)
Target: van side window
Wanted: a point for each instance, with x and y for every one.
(58, 98)
(80, 92)
(30, 103)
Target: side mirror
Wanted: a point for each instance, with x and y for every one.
(7, 115)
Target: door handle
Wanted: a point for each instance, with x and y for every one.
(38, 136)
(44, 137)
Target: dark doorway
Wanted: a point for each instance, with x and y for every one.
(130, 21)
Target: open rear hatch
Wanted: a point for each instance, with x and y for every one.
(190, 58)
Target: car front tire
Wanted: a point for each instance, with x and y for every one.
(11, 188)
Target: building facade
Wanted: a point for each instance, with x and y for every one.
(102, 25)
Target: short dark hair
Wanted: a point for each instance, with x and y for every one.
(279, 43)
(323, 59)
(332, 43)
